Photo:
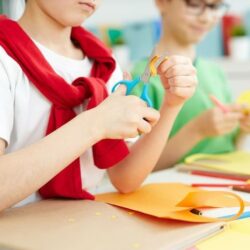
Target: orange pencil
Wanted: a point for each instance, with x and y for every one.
(219, 175)
(218, 185)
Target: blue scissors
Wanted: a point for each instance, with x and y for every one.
(145, 77)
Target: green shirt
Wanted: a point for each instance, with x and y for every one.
(211, 81)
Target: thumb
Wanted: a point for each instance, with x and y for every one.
(120, 90)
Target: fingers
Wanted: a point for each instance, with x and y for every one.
(215, 122)
(245, 124)
(182, 81)
(151, 115)
(182, 91)
(246, 119)
(179, 76)
(172, 62)
(144, 127)
(146, 119)
(150, 118)
(236, 107)
(227, 116)
(223, 126)
(229, 122)
(233, 116)
(180, 70)
(240, 108)
(227, 129)
(245, 127)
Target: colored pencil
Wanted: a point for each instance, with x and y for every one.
(242, 188)
(218, 175)
(219, 104)
(243, 216)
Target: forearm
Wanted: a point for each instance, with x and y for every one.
(179, 145)
(25, 171)
(131, 172)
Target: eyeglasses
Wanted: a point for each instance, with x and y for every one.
(198, 7)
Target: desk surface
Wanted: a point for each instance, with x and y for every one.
(72, 225)
(91, 225)
(172, 175)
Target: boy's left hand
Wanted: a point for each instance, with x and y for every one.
(178, 76)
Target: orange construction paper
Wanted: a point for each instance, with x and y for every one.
(174, 201)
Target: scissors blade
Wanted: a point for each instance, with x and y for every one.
(146, 74)
(161, 59)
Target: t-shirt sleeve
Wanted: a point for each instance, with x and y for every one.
(6, 100)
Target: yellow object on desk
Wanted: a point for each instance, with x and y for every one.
(236, 162)
(235, 236)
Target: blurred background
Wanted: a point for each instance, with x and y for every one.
(132, 27)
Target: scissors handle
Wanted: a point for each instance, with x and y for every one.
(144, 96)
(130, 84)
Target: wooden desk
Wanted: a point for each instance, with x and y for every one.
(90, 225)
(75, 225)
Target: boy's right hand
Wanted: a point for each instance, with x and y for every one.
(215, 122)
(122, 117)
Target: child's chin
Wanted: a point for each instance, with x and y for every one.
(74, 22)
(196, 39)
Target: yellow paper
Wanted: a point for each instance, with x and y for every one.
(236, 162)
(235, 236)
(173, 201)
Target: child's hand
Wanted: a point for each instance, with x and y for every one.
(123, 116)
(179, 79)
(215, 122)
(245, 123)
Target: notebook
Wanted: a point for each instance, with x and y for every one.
(77, 225)
(235, 236)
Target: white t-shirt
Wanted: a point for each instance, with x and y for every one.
(24, 111)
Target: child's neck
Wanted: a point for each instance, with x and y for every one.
(171, 45)
(48, 32)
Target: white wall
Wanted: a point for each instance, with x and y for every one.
(120, 11)
(13, 8)
(239, 6)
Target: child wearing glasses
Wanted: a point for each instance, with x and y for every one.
(59, 129)
(200, 126)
